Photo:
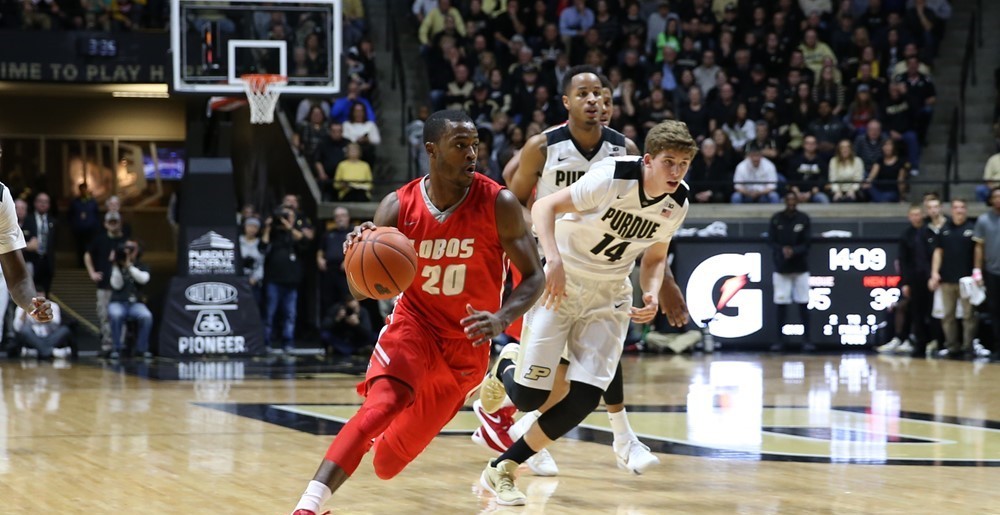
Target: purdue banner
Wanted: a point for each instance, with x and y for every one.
(210, 316)
(209, 310)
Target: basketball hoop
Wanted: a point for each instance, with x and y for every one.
(263, 91)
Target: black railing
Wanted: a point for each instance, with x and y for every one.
(968, 70)
(951, 155)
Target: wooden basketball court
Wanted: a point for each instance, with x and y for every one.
(736, 433)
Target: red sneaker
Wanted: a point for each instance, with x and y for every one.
(493, 433)
(308, 512)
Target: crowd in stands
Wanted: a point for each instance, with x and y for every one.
(756, 79)
(99, 15)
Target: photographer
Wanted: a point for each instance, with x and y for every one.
(286, 234)
(346, 329)
(128, 275)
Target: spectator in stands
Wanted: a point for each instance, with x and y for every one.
(755, 179)
(309, 135)
(353, 179)
(807, 173)
(574, 21)
(922, 94)
(286, 234)
(341, 109)
(862, 110)
(434, 22)
(346, 329)
(876, 85)
(459, 90)
(827, 128)
(507, 25)
(252, 253)
(695, 114)
(421, 8)
(655, 109)
(40, 233)
(704, 73)
(84, 220)
(829, 88)
(899, 68)
(710, 178)
(331, 152)
(763, 139)
(485, 163)
(897, 119)
(127, 14)
(868, 146)
(814, 51)
(45, 338)
(481, 107)
(846, 173)
(128, 276)
(330, 261)
(362, 130)
(991, 178)
(888, 179)
(925, 26)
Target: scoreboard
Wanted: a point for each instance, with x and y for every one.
(728, 286)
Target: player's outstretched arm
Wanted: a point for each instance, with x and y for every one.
(482, 326)
(22, 287)
(672, 301)
(654, 262)
(531, 160)
(543, 215)
(386, 215)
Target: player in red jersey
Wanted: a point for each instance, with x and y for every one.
(431, 356)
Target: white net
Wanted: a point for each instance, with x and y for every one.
(263, 92)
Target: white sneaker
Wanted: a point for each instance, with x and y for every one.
(888, 347)
(635, 457)
(905, 348)
(979, 351)
(542, 464)
(932, 348)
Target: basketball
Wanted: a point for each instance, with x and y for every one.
(381, 264)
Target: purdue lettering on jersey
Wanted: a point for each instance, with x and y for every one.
(617, 220)
(566, 163)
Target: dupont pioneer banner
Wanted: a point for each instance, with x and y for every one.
(210, 316)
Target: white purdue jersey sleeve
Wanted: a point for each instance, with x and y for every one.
(617, 220)
(11, 237)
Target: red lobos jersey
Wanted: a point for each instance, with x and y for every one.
(459, 256)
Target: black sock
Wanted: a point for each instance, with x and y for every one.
(506, 372)
(781, 312)
(518, 453)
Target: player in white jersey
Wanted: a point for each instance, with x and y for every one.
(550, 162)
(623, 207)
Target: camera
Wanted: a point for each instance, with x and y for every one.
(123, 252)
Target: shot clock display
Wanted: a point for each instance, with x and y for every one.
(728, 286)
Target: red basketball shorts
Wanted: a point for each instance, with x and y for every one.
(443, 373)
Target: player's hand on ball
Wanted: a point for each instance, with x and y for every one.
(647, 312)
(672, 304)
(481, 326)
(356, 234)
(41, 310)
(555, 284)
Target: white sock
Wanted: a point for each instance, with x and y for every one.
(314, 497)
(620, 427)
(523, 424)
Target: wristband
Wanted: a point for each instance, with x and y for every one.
(977, 274)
